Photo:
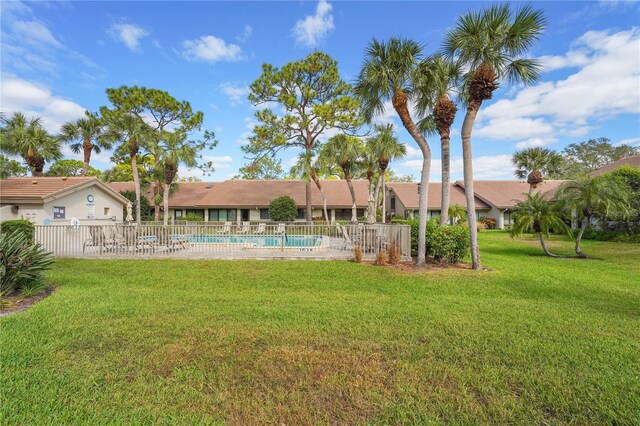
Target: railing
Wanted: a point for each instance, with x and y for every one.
(224, 240)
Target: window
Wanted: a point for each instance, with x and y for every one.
(107, 211)
(345, 214)
(301, 213)
(222, 215)
(58, 212)
(177, 214)
(393, 203)
(264, 214)
(199, 212)
(434, 213)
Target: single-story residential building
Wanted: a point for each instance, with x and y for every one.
(60, 200)
(248, 200)
(633, 161)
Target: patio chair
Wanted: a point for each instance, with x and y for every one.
(246, 228)
(96, 239)
(262, 227)
(226, 229)
(281, 230)
(347, 241)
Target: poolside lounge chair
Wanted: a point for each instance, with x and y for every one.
(281, 230)
(246, 228)
(226, 229)
(262, 227)
(96, 239)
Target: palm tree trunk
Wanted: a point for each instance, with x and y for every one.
(446, 178)
(308, 213)
(354, 211)
(399, 101)
(530, 189)
(156, 205)
(165, 203)
(86, 149)
(136, 184)
(371, 206)
(384, 197)
(467, 160)
(543, 243)
(376, 199)
(324, 198)
(583, 226)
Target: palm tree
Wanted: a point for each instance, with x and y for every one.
(456, 213)
(388, 73)
(540, 215)
(591, 195)
(369, 165)
(307, 169)
(489, 45)
(437, 77)
(385, 147)
(344, 151)
(175, 150)
(131, 133)
(534, 164)
(27, 138)
(88, 131)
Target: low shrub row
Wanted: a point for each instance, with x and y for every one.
(614, 236)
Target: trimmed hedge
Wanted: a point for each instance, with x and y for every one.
(22, 226)
(448, 243)
(283, 209)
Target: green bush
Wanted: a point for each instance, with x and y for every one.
(449, 243)
(283, 209)
(22, 226)
(192, 217)
(591, 233)
(22, 263)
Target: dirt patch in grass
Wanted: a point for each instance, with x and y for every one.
(19, 303)
(409, 266)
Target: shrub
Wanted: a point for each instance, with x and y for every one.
(357, 254)
(394, 253)
(448, 243)
(21, 263)
(283, 209)
(22, 226)
(381, 258)
(192, 217)
(488, 222)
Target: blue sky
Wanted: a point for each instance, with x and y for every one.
(59, 57)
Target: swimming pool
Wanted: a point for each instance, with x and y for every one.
(260, 240)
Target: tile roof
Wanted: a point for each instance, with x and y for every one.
(633, 161)
(258, 193)
(39, 189)
(407, 193)
(505, 194)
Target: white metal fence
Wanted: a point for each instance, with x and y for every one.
(224, 240)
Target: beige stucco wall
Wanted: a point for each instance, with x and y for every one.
(75, 204)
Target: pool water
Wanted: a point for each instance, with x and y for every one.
(260, 240)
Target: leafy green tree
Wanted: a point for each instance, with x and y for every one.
(630, 178)
(71, 168)
(138, 118)
(393, 177)
(188, 179)
(385, 147)
(535, 164)
(589, 196)
(584, 157)
(27, 138)
(84, 135)
(344, 150)
(146, 210)
(313, 99)
(541, 216)
(489, 45)
(437, 77)
(176, 149)
(283, 209)
(389, 73)
(124, 173)
(9, 168)
(266, 167)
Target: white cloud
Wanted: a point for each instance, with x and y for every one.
(629, 141)
(573, 58)
(535, 142)
(605, 85)
(484, 167)
(313, 28)
(210, 48)
(236, 94)
(34, 33)
(129, 34)
(249, 124)
(219, 161)
(34, 100)
(246, 34)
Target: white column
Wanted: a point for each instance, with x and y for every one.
(500, 224)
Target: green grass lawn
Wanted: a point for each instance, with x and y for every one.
(534, 340)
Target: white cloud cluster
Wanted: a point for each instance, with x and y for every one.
(246, 34)
(129, 34)
(311, 30)
(210, 48)
(236, 94)
(17, 94)
(605, 86)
